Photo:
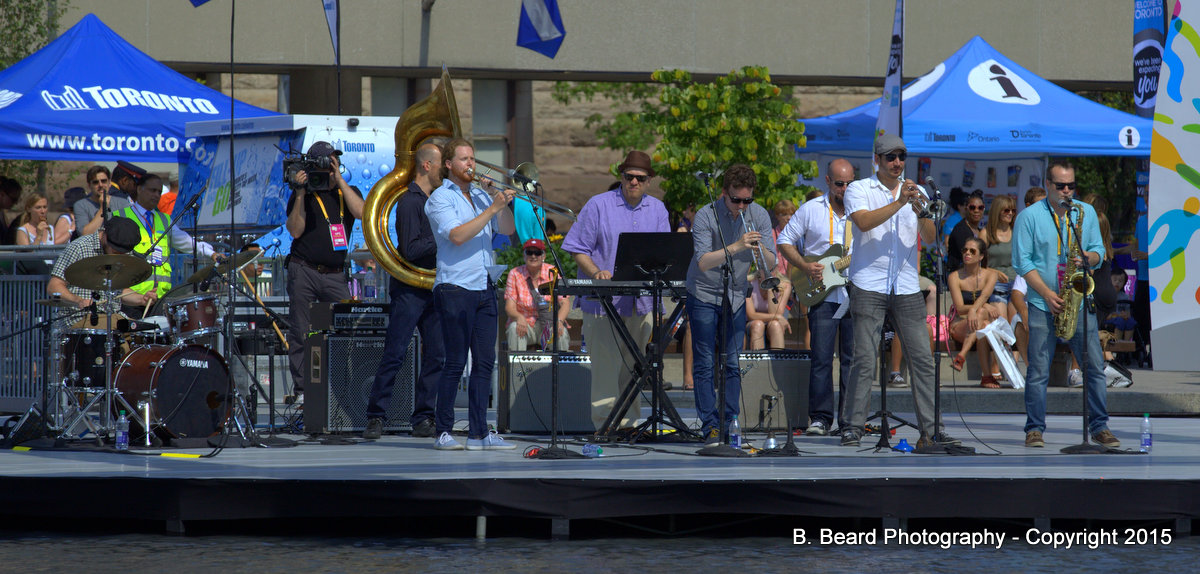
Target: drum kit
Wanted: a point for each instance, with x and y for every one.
(160, 368)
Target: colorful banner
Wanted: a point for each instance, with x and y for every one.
(1149, 27)
(1175, 201)
(889, 121)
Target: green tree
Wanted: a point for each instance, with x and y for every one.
(738, 118)
(27, 26)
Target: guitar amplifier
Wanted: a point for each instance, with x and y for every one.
(774, 389)
(341, 371)
(524, 404)
(341, 317)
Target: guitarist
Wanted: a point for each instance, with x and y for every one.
(820, 227)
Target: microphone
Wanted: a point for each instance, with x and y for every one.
(932, 185)
(95, 317)
(703, 176)
(192, 202)
(512, 174)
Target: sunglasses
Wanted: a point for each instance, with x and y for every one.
(975, 207)
(841, 183)
(534, 252)
(970, 250)
(1067, 184)
(741, 200)
(637, 178)
(1009, 210)
(98, 181)
(891, 157)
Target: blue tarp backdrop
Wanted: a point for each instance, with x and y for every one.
(980, 102)
(91, 96)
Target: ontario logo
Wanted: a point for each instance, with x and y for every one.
(8, 97)
(996, 82)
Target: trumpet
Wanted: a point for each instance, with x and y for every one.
(522, 180)
(928, 208)
(769, 281)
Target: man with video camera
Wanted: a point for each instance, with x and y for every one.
(321, 214)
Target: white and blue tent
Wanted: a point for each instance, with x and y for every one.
(980, 120)
(91, 96)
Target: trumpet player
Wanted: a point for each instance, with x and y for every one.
(1044, 243)
(731, 225)
(883, 280)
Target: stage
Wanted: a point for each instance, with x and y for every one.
(403, 478)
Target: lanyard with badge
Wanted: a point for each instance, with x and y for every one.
(1062, 266)
(156, 256)
(337, 231)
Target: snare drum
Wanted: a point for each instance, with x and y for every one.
(185, 385)
(194, 316)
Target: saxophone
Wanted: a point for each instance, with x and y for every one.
(1075, 286)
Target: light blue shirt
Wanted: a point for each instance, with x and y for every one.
(1036, 244)
(528, 220)
(462, 265)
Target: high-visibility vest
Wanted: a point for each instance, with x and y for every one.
(160, 280)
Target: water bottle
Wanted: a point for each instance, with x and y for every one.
(370, 287)
(592, 451)
(1147, 434)
(735, 433)
(122, 432)
(582, 345)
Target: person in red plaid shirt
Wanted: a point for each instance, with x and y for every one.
(529, 314)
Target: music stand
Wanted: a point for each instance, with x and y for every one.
(655, 258)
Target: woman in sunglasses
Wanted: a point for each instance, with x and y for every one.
(529, 312)
(966, 229)
(970, 287)
(997, 234)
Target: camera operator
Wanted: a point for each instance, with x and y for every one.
(321, 213)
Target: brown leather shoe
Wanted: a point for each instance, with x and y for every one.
(1106, 438)
(1033, 439)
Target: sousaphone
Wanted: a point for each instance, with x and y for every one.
(433, 117)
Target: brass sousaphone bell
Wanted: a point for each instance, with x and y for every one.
(436, 116)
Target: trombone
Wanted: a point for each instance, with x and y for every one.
(523, 180)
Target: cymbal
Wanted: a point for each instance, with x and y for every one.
(118, 271)
(56, 302)
(236, 262)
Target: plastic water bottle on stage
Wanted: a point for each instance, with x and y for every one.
(1147, 434)
(122, 432)
(735, 433)
(592, 451)
(370, 286)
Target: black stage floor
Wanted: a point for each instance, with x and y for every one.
(404, 478)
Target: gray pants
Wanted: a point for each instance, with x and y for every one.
(907, 313)
(306, 286)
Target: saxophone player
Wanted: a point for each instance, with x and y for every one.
(1051, 239)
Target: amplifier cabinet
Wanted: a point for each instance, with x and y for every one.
(524, 402)
(778, 378)
(342, 369)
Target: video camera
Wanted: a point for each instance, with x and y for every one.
(317, 169)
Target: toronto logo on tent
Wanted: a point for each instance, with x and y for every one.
(69, 100)
(7, 97)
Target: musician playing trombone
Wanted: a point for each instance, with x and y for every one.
(736, 219)
(818, 226)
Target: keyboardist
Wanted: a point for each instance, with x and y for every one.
(593, 242)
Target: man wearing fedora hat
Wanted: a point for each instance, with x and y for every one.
(593, 241)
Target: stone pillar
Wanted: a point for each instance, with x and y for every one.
(315, 92)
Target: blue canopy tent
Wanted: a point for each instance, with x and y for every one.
(980, 102)
(91, 96)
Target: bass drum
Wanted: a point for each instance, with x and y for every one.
(185, 385)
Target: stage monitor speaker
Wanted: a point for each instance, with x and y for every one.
(524, 402)
(342, 369)
(774, 389)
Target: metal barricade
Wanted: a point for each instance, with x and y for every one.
(21, 357)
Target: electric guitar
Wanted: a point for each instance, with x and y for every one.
(811, 291)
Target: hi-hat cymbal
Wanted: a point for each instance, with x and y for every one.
(56, 302)
(236, 262)
(101, 272)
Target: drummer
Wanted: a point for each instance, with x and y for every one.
(116, 236)
(151, 224)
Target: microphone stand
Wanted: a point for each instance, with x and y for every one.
(1084, 447)
(723, 448)
(554, 451)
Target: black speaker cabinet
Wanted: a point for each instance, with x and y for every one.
(774, 389)
(341, 370)
(524, 402)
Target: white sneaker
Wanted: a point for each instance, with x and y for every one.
(1075, 378)
(446, 442)
(492, 441)
(816, 429)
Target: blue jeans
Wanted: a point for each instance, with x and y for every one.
(820, 379)
(907, 313)
(1042, 342)
(703, 319)
(412, 308)
(469, 322)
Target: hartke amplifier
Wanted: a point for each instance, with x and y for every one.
(341, 371)
(766, 375)
(524, 402)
